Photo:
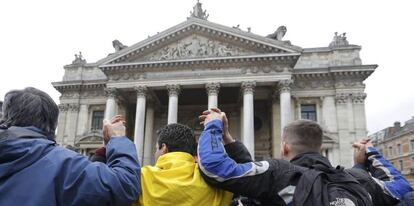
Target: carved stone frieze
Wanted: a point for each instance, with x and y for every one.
(111, 92)
(342, 98)
(63, 107)
(285, 85)
(141, 91)
(248, 87)
(73, 107)
(92, 94)
(314, 84)
(173, 89)
(70, 95)
(212, 88)
(196, 46)
(358, 98)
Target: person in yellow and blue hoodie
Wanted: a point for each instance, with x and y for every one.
(175, 179)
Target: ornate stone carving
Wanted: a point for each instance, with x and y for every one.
(196, 46)
(111, 92)
(285, 85)
(118, 46)
(213, 88)
(73, 107)
(198, 11)
(358, 98)
(248, 87)
(63, 107)
(173, 89)
(79, 59)
(278, 34)
(342, 98)
(92, 94)
(339, 41)
(141, 91)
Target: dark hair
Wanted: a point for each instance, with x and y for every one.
(178, 138)
(30, 107)
(303, 136)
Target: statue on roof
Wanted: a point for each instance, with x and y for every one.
(339, 40)
(79, 60)
(198, 11)
(118, 46)
(278, 34)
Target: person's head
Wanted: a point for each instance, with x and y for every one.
(30, 107)
(299, 137)
(175, 138)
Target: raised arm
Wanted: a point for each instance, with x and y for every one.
(114, 183)
(386, 175)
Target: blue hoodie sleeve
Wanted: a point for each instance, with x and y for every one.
(94, 183)
(385, 174)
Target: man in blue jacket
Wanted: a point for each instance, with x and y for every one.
(34, 171)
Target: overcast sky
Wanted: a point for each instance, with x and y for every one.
(39, 37)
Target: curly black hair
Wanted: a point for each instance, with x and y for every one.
(178, 138)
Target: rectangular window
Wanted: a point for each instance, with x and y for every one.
(97, 118)
(399, 151)
(308, 111)
(401, 166)
(412, 144)
(390, 151)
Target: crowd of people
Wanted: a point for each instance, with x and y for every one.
(217, 171)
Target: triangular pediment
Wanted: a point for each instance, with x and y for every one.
(196, 46)
(196, 38)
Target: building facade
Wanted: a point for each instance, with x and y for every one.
(397, 145)
(262, 83)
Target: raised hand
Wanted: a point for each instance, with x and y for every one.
(114, 128)
(360, 150)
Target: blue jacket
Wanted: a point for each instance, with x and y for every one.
(33, 171)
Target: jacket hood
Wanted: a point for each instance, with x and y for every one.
(20, 147)
(310, 160)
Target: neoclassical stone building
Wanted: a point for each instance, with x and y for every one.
(262, 83)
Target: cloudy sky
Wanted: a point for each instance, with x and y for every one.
(39, 37)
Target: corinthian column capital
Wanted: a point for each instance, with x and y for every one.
(248, 87)
(111, 92)
(141, 91)
(285, 85)
(213, 88)
(173, 89)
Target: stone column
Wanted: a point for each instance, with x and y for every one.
(82, 119)
(358, 100)
(149, 127)
(329, 114)
(72, 120)
(248, 115)
(285, 107)
(111, 105)
(63, 110)
(212, 92)
(344, 136)
(173, 92)
(276, 131)
(140, 121)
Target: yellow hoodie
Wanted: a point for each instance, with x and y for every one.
(176, 180)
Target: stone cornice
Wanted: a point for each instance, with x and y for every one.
(77, 85)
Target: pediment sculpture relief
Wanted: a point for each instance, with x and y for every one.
(196, 46)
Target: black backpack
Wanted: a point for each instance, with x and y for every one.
(321, 185)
